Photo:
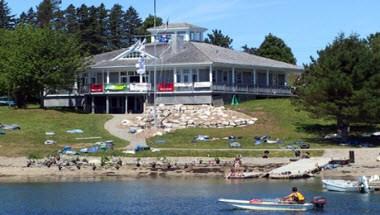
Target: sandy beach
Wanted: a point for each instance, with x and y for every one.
(15, 169)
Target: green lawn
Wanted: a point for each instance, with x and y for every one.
(276, 118)
(35, 122)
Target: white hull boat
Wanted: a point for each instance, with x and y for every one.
(267, 205)
(242, 175)
(346, 185)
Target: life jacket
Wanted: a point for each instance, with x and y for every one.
(298, 196)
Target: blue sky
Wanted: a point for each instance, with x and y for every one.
(305, 25)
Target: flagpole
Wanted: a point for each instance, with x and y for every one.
(155, 69)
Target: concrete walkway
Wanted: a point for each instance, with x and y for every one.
(116, 129)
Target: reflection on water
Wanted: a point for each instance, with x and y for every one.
(167, 196)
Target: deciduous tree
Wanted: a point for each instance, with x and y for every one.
(33, 60)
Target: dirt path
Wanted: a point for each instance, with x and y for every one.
(115, 128)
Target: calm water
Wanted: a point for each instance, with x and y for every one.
(167, 196)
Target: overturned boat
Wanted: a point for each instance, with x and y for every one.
(275, 204)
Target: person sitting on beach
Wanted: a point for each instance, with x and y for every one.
(295, 197)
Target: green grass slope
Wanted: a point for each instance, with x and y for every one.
(35, 122)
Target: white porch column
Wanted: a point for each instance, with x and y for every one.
(233, 78)
(268, 78)
(286, 79)
(108, 77)
(107, 105)
(175, 75)
(141, 78)
(92, 104)
(254, 76)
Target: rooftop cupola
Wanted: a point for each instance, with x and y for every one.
(181, 31)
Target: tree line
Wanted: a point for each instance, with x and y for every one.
(97, 28)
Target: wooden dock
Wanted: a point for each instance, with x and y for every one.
(299, 169)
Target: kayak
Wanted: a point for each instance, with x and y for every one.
(267, 205)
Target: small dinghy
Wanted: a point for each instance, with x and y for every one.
(275, 204)
(346, 185)
(242, 175)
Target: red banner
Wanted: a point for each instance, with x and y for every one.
(166, 87)
(95, 88)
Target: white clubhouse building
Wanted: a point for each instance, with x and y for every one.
(188, 71)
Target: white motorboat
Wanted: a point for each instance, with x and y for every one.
(273, 205)
(346, 185)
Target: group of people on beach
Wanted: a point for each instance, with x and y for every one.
(78, 163)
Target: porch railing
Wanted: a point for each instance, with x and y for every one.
(187, 87)
(253, 89)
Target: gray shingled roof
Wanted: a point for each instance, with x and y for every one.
(219, 54)
(192, 52)
(183, 25)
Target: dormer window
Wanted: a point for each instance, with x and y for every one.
(132, 55)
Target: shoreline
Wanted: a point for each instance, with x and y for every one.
(14, 169)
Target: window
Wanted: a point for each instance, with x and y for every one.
(239, 77)
(195, 76)
(84, 79)
(123, 77)
(225, 77)
(99, 77)
(186, 76)
(214, 76)
(204, 75)
(93, 78)
(114, 77)
(281, 80)
(178, 77)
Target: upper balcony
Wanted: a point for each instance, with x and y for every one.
(195, 87)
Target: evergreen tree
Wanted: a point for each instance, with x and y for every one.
(94, 40)
(249, 50)
(83, 24)
(46, 12)
(131, 25)
(102, 22)
(59, 20)
(71, 20)
(343, 83)
(149, 23)
(219, 39)
(116, 34)
(7, 20)
(30, 17)
(275, 48)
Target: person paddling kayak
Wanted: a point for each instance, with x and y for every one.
(295, 197)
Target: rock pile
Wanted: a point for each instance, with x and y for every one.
(191, 116)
